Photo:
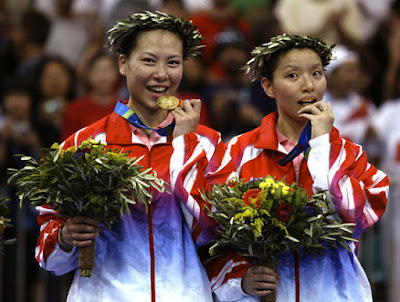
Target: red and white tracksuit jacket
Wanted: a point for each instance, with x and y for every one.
(359, 193)
(153, 257)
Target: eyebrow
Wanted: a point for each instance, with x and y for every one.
(170, 57)
(291, 66)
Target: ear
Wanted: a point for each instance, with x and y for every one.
(268, 88)
(122, 62)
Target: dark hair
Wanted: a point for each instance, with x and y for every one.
(257, 67)
(16, 86)
(99, 55)
(230, 37)
(122, 37)
(36, 26)
(57, 59)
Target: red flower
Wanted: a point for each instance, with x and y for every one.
(252, 197)
(232, 184)
(283, 212)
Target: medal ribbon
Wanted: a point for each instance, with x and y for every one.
(128, 114)
(302, 146)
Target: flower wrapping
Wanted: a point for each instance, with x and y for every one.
(89, 180)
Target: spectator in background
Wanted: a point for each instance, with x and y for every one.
(122, 8)
(194, 85)
(229, 95)
(29, 37)
(103, 81)
(214, 21)
(8, 59)
(17, 132)
(174, 7)
(18, 135)
(392, 44)
(55, 83)
(352, 111)
(387, 125)
(68, 37)
(337, 21)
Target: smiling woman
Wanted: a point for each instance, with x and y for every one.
(153, 255)
(153, 69)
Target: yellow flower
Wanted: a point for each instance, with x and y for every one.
(258, 224)
(248, 212)
(93, 142)
(285, 190)
(266, 184)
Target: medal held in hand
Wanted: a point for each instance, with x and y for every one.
(169, 102)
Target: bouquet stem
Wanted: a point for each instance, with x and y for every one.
(272, 264)
(86, 260)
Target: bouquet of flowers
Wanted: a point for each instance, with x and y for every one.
(89, 181)
(265, 218)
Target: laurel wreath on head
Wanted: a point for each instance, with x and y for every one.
(261, 54)
(147, 20)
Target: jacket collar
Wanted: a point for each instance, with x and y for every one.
(267, 138)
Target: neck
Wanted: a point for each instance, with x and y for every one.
(151, 118)
(290, 129)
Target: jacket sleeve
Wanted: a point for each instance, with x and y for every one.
(359, 190)
(48, 252)
(196, 163)
(225, 273)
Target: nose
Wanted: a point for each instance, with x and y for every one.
(308, 84)
(161, 72)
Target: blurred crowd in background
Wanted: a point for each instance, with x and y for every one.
(56, 77)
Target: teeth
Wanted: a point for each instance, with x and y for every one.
(306, 102)
(158, 89)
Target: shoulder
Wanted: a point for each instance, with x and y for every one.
(344, 146)
(238, 145)
(209, 133)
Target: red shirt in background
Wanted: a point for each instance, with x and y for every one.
(84, 111)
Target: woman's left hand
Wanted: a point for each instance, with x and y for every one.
(186, 117)
(321, 116)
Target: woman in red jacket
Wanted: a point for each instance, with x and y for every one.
(291, 71)
(154, 256)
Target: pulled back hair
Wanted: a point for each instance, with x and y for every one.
(122, 38)
(265, 57)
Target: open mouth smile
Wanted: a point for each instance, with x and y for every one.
(157, 89)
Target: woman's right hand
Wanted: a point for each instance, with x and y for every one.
(259, 281)
(79, 232)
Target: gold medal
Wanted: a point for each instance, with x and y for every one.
(168, 102)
